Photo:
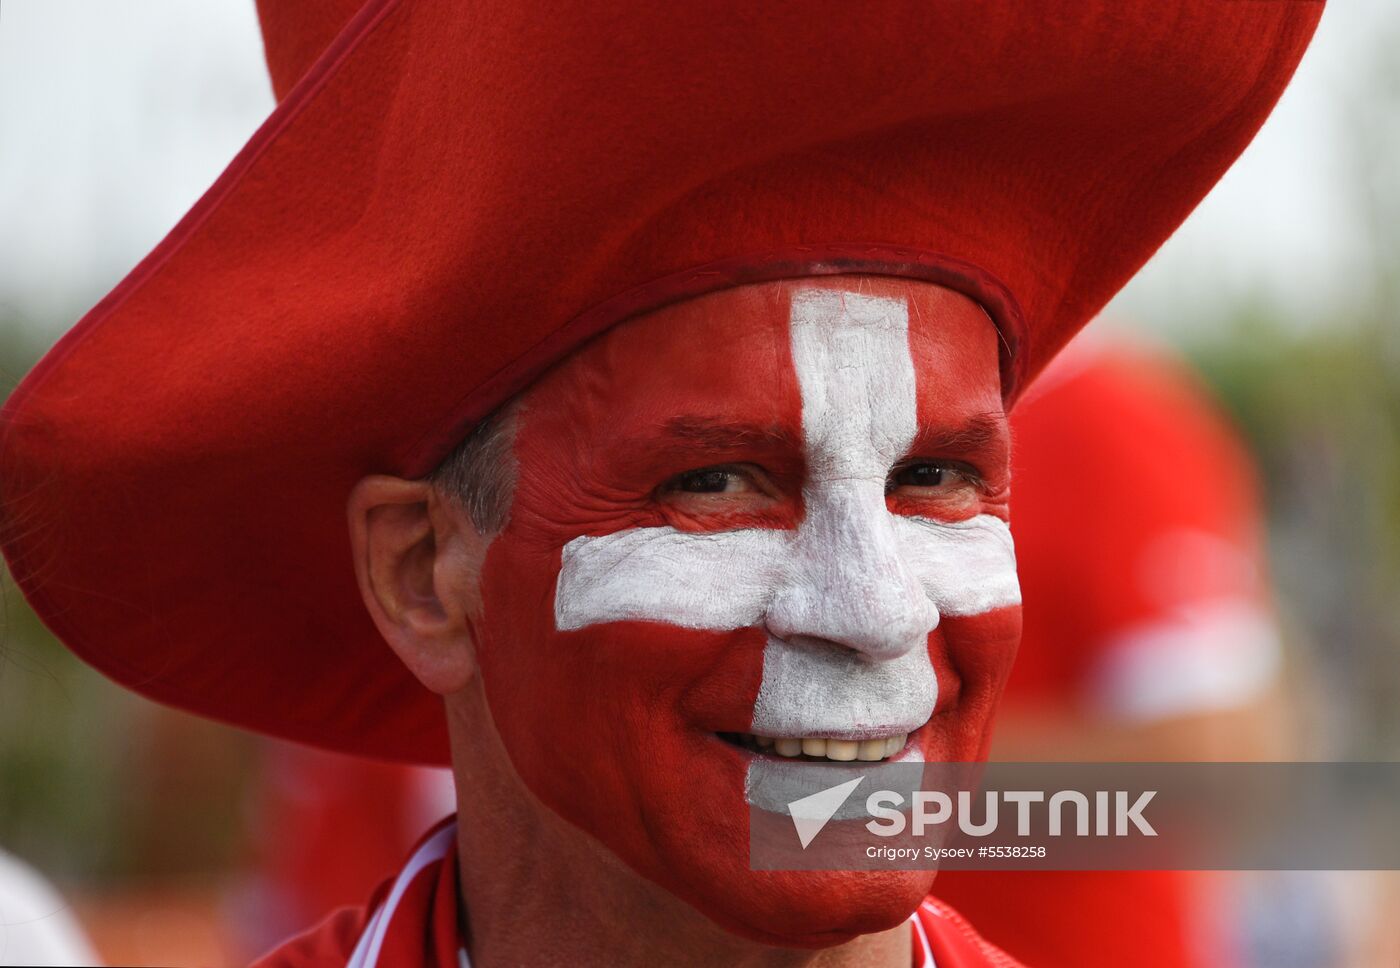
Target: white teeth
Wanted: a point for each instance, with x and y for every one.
(840, 750)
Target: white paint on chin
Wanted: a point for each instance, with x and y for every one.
(772, 784)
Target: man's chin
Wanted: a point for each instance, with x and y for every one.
(812, 909)
(698, 848)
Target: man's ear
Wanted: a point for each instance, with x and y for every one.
(418, 563)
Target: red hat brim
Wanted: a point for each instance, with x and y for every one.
(456, 195)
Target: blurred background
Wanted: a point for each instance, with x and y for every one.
(1281, 292)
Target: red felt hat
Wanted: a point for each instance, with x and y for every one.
(456, 195)
(296, 32)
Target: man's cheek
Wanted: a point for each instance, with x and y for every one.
(612, 719)
(972, 656)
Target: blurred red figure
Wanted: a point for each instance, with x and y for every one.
(1149, 635)
(307, 806)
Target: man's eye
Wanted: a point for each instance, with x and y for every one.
(712, 480)
(928, 475)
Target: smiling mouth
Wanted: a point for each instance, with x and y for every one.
(820, 748)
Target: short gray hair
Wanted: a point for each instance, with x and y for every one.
(480, 472)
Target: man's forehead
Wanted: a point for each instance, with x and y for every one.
(723, 364)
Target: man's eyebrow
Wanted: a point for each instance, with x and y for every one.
(726, 434)
(976, 433)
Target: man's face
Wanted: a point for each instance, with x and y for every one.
(766, 520)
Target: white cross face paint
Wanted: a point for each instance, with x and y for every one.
(850, 596)
(726, 580)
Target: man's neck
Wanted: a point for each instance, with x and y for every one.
(534, 908)
(534, 890)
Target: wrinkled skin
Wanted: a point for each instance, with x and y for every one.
(803, 582)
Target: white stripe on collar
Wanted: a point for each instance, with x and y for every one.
(366, 953)
(922, 935)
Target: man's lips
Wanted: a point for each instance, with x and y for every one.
(868, 745)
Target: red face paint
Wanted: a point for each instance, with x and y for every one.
(634, 614)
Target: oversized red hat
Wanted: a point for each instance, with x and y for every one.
(456, 195)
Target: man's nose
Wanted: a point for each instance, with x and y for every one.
(850, 585)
